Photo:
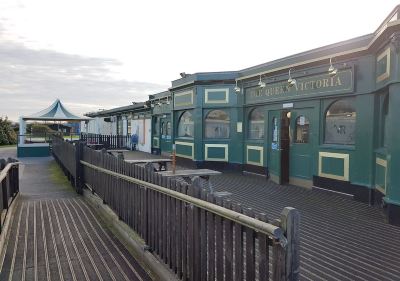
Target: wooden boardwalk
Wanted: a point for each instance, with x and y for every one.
(340, 239)
(55, 235)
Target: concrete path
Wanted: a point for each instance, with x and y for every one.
(55, 235)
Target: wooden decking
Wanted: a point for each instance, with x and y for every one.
(340, 239)
(55, 235)
(61, 239)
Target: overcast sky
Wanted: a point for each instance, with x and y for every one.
(96, 54)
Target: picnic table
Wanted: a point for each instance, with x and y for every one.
(187, 175)
(120, 152)
(162, 163)
(95, 146)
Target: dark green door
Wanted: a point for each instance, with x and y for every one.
(302, 141)
(165, 141)
(274, 164)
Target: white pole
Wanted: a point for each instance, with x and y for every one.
(22, 130)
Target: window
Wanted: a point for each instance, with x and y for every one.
(129, 126)
(302, 129)
(168, 128)
(274, 129)
(119, 126)
(156, 126)
(256, 124)
(217, 125)
(162, 128)
(185, 125)
(340, 122)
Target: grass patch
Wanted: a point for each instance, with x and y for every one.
(58, 177)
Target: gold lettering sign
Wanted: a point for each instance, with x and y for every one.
(314, 85)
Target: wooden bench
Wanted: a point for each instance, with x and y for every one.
(162, 163)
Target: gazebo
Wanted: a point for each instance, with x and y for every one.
(55, 112)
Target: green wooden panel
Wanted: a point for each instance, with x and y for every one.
(216, 152)
(166, 145)
(216, 96)
(254, 155)
(301, 166)
(184, 149)
(380, 174)
(333, 166)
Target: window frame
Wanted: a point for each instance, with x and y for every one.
(324, 140)
(179, 122)
(227, 113)
(296, 126)
(260, 108)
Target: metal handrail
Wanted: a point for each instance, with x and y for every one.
(4, 172)
(259, 226)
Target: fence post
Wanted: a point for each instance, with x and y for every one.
(290, 222)
(3, 184)
(79, 180)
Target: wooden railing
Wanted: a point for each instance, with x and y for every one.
(199, 235)
(108, 141)
(9, 183)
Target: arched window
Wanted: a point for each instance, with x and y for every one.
(302, 129)
(340, 122)
(185, 125)
(162, 128)
(217, 124)
(256, 124)
(168, 131)
(156, 126)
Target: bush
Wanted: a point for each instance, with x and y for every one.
(7, 134)
(40, 129)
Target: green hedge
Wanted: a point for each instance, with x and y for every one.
(7, 134)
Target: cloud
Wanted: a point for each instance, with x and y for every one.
(32, 79)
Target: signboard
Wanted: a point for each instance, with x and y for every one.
(316, 85)
(287, 105)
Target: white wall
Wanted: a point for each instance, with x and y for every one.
(97, 125)
(142, 127)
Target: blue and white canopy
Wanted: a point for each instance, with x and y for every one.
(55, 112)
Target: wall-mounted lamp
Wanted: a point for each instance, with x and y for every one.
(237, 88)
(291, 81)
(168, 102)
(332, 70)
(261, 84)
(152, 105)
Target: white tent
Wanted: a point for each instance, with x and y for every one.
(55, 112)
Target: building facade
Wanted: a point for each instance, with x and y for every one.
(322, 118)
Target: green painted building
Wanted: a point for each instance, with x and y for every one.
(323, 118)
